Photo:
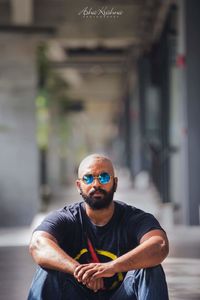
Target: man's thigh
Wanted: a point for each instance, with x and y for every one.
(126, 289)
(146, 284)
(55, 285)
(72, 290)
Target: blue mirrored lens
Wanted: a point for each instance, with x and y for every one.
(104, 178)
(88, 179)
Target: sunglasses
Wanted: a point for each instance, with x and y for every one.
(103, 178)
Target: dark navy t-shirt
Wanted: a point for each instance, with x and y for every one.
(71, 227)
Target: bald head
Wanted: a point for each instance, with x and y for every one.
(97, 193)
(92, 160)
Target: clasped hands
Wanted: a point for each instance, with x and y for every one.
(92, 274)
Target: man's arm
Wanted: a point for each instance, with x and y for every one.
(152, 251)
(46, 253)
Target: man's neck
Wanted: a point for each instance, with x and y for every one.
(102, 216)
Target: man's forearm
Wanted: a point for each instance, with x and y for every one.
(148, 254)
(48, 254)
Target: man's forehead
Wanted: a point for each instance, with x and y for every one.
(100, 163)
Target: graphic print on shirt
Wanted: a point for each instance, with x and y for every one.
(103, 256)
(120, 235)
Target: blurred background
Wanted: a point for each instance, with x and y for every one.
(114, 77)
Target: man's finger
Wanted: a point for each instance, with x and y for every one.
(93, 285)
(96, 275)
(78, 268)
(83, 272)
(79, 274)
(100, 283)
(96, 285)
(87, 274)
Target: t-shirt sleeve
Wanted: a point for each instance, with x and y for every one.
(58, 224)
(144, 223)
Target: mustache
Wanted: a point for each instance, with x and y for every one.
(98, 189)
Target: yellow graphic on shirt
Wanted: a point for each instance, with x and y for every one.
(108, 254)
(81, 253)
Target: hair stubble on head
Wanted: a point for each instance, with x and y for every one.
(92, 159)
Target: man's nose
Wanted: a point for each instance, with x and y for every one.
(96, 182)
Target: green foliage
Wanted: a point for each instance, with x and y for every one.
(42, 120)
(52, 97)
(52, 82)
(57, 89)
(42, 64)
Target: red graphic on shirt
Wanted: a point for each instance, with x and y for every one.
(93, 254)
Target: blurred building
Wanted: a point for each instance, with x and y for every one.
(131, 70)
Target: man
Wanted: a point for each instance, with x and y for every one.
(99, 248)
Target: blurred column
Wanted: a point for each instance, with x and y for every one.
(19, 200)
(135, 124)
(127, 131)
(131, 121)
(192, 40)
(144, 78)
(178, 116)
(149, 118)
(22, 12)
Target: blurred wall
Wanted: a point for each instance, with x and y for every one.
(18, 152)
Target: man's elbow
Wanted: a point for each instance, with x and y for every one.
(32, 248)
(35, 251)
(164, 249)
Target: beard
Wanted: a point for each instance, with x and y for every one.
(96, 202)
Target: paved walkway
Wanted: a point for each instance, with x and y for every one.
(183, 278)
(182, 266)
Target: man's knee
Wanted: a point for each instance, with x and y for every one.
(49, 285)
(45, 285)
(143, 283)
(146, 273)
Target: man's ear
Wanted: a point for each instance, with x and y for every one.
(115, 183)
(78, 185)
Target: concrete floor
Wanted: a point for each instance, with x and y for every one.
(182, 267)
(16, 271)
